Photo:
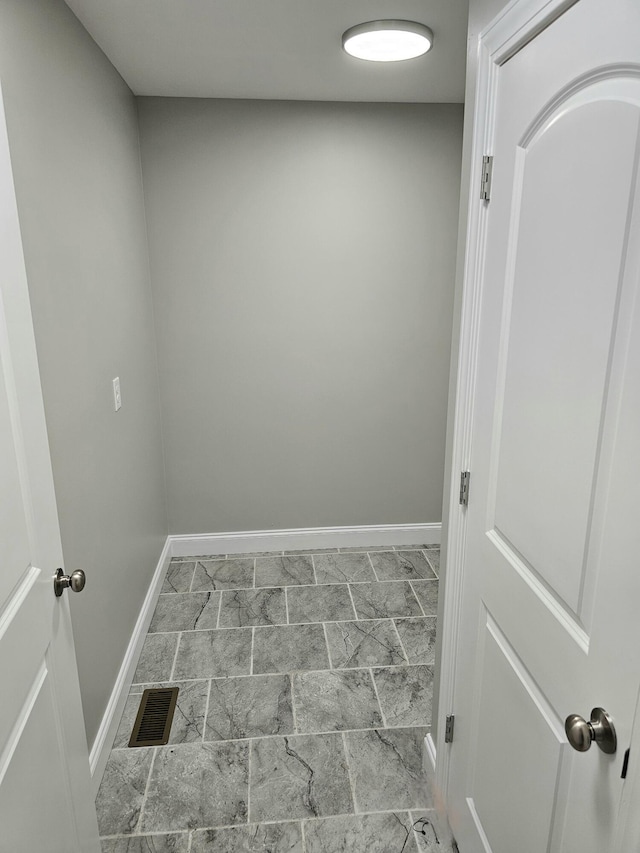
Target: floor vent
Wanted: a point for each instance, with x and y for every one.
(155, 715)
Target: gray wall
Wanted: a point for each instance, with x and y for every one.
(302, 260)
(74, 147)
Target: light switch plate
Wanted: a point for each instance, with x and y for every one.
(117, 397)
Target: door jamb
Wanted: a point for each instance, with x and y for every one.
(517, 24)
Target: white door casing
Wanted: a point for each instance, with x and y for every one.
(548, 418)
(45, 791)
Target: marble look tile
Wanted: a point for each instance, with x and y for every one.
(427, 593)
(156, 658)
(430, 838)
(338, 568)
(386, 769)
(200, 784)
(188, 719)
(401, 565)
(222, 574)
(327, 603)
(284, 571)
(185, 612)
(335, 700)
(299, 776)
(289, 648)
(418, 637)
(249, 707)
(178, 577)
(368, 643)
(255, 838)
(433, 556)
(122, 790)
(173, 843)
(381, 600)
(366, 548)
(213, 654)
(372, 833)
(242, 607)
(405, 694)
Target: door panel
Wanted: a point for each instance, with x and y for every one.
(548, 444)
(550, 568)
(513, 712)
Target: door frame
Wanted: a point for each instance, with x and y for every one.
(514, 26)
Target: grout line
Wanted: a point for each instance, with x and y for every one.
(175, 658)
(146, 789)
(286, 605)
(206, 713)
(193, 576)
(255, 565)
(304, 840)
(353, 604)
(175, 746)
(285, 672)
(375, 574)
(332, 582)
(293, 705)
(219, 610)
(326, 640)
(288, 625)
(375, 687)
(249, 783)
(351, 783)
(433, 568)
(313, 566)
(395, 627)
(253, 638)
(417, 598)
(418, 809)
(189, 841)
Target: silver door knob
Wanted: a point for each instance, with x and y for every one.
(600, 729)
(75, 581)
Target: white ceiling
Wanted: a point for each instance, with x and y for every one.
(281, 49)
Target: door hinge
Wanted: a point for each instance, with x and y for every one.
(465, 476)
(448, 730)
(485, 177)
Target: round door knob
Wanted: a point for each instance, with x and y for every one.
(581, 734)
(75, 581)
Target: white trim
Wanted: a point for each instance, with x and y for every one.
(518, 23)
(513, 27)
(305, 539)
(111, 718)
(430, 751)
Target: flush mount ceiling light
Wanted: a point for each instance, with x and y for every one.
(388, 41)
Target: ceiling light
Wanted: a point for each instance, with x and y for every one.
(387, 41)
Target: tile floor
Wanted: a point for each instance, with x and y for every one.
(305, 694)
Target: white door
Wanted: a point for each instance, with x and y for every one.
(550, 622)
(45, 791)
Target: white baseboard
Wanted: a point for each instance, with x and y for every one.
(305, 539)
(430, 751)
(235, 543)
(111, 718)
